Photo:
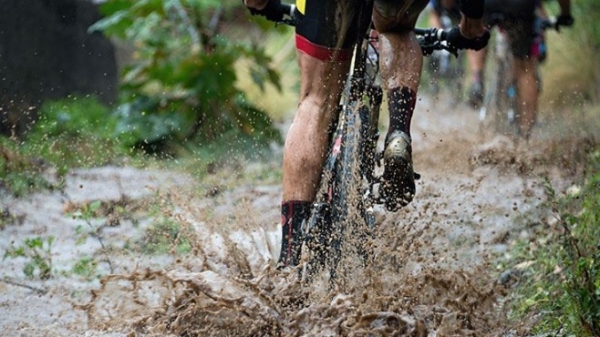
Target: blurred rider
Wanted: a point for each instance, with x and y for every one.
(325, 36)
(517, 18)
(438, 9)
(444, 14)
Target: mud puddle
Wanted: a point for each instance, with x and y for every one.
(434, 272)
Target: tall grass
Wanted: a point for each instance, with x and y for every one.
(571, 74)
(559, 294)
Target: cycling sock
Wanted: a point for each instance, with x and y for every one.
(401, 103)
(293, 213)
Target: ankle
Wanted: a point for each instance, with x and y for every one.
(293, 214)
(401, 103)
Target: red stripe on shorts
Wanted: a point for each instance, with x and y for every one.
(322, 53)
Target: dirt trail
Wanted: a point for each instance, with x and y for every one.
(433, 275)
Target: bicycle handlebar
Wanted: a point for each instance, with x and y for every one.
(430, 39)
(290, 11)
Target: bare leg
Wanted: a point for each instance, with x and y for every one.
(476, 60)
(306, 143)
(400, 60)
(306, 147)
(527, 93)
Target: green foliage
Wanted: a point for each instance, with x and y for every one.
(181, 83)
(164, 236)
(37, 251)
(565, 279)
(87, 213)
(20, 171)
(572, 73)
(76, 132)
(85, 267)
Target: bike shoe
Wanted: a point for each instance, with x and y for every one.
(476, 95)
(398, 181)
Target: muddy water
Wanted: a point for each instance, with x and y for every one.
(433, 273)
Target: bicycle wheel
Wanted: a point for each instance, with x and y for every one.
(499, 99)
(347, 204)
(505, 98)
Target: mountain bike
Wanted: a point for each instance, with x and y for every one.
(500, 107)
(348, 192)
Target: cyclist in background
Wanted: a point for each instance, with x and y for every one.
(325, 36)
(442, 65)
(451, 9)
(517, 18)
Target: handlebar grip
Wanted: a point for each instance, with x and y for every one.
(432, 34)
(421, 31)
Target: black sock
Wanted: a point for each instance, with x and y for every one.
(401, 103)
(293, 213)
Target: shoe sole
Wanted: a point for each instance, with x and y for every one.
(397, 158)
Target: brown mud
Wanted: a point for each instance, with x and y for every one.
(435, 270)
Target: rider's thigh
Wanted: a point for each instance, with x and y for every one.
(397, 15)
(517, 18)
(325, 36)
(321, 84)
(520, 37)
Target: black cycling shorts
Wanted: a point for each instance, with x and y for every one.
(329, 29)
(517, 18)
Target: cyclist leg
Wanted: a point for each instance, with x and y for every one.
(324, 41)
(519, 25)
(400, 62)
(476, 60)
(525, 73)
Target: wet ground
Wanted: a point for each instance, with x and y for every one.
(435, 274)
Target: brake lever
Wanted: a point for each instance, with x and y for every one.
(450, 48)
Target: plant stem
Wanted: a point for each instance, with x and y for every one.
(13, 283)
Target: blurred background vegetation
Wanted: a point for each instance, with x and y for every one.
(200, 79)
(180, 83)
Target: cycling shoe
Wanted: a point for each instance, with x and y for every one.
(398, 181)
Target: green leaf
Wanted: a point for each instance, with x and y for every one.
(94, 206)
(115, 25)
(29, 269)
(34, 242)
